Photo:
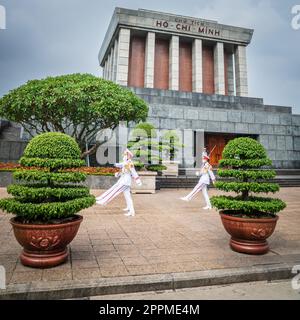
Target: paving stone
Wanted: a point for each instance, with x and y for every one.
(83, 264)
(121, 241)
(90, 273)
(164, 237)
(104, 247)
(141, 270)
(26, 277)
(53, 274)
(116, 271)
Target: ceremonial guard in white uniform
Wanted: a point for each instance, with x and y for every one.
(206, 175)
(127, 173)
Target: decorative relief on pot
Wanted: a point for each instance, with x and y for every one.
(44, 241)
(261, 233)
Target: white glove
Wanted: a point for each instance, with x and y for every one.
(139, 182)
(197, 173)
(117, 174)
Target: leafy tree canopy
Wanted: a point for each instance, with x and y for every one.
(79, 105)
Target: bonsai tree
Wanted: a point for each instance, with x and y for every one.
(46, 197)
(80, 105)
(241, 161)
(46, 193)
(170, 144)
(143, 145)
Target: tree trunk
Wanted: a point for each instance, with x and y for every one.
(92, 150)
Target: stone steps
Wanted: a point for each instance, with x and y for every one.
(190, 182)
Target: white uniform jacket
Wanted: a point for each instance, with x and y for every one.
(206, 174)
(127, 173)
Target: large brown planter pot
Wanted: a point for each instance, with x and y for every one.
(249, 235)
(45, 245)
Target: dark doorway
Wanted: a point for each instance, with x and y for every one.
(216, 142)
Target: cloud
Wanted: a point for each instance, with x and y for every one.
(57, 37)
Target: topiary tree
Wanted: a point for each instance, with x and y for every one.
(143, 145)
(241, 161)
(47, 193)
(170, 143)
(80, 105)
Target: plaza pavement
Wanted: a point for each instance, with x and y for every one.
(167, 236)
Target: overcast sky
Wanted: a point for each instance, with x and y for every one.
(52, 37)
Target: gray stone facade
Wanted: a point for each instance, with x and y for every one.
(274, 126)
(126, 22)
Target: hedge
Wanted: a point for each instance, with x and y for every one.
(246, 163)
(46, 211)
(51, 145)
(34, 175)
(35, 193)
(156, 167)
(48, 193)
(253, 205)
(247, 174)
(51, 163)
(247, 186)
(242, 159)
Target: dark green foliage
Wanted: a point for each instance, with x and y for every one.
(48, 193)
(156, 167)
(244, 148)
(42, 176)
(34, 193)
(252, 205)
(52, 145)
(242, 160)
(145, 130)
(143, 145)
(77, 104)
(46, 211)
(248, 163)
(138, 165)
(51, 163)
(247, 186)
(247, 174)
(170, 144)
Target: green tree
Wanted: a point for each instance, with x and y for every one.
(241, 164)
(170, 144)
(80, 105)
(143, 144)
(48, 193)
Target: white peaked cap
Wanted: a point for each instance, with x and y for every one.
(129, 153)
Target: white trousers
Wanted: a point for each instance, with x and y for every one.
(128, 199)
(113, 192)
(199, 187)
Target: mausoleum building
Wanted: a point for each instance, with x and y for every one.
(193, 74)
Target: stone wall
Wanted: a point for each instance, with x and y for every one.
(278, 129)
(11, 144)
